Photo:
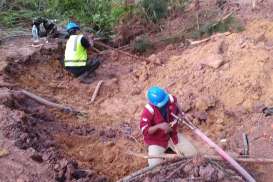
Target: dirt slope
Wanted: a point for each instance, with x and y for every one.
(224, 82)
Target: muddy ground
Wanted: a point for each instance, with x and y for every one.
(224, 83)
(53, 136)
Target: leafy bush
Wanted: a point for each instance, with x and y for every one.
(154, 10)
(230, 24)
(178, 4)
(11, 18)
(142, 44)
(101, 14)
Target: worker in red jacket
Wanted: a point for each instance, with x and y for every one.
(156, 126)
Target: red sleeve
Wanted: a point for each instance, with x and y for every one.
(145, 121)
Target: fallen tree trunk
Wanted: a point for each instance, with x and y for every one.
(175, 156)
(123, 52)
(194, 43)
(46, 102)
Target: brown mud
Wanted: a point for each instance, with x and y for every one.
(224, 83)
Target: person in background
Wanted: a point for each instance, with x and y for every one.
(76, 54)
(45, 27)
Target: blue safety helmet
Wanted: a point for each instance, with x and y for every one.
(72, 26)
(157, 96)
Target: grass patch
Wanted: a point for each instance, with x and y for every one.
(13, 18)
(142, 44)
(231, 24)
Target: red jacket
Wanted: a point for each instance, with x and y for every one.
(152, 116)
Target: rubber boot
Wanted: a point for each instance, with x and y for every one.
(93, 65)
(89, 76)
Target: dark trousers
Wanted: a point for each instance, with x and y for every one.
(90, 67)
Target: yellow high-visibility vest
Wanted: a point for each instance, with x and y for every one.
(75, 53)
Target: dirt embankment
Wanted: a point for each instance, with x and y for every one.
(88, 139)
(224, 83)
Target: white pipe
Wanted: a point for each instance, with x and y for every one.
(222, 153)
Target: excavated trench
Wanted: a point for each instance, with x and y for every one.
(75, 147)
(79, 147)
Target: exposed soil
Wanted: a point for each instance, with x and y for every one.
(100, 148)
(224, 83)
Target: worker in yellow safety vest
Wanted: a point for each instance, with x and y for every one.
(76, 59)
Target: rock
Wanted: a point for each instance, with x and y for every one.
(186, 106)
(204, 103)
(214, 61)
(155, 59)
(37, 157)
(3, 152)
(260, 38)
(211, 100)
(196, 122)
(136, 91)
(201, 116)
(223, 143)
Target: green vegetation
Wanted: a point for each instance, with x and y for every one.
(142, 44)
(230, 24)
(154, 10)
(100, 14)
